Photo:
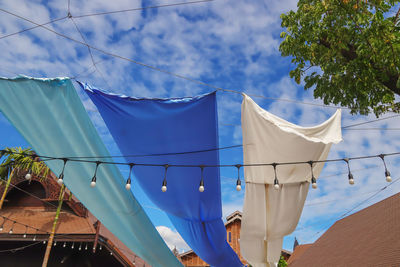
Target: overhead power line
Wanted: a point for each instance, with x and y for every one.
(347, 127)
(162, 70)
(352, 209)
(102, 13)
(141, 8)
(31, 28)
(367, 122)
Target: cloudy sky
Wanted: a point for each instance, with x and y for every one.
(229, 44)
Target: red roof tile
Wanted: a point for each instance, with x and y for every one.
(298, 251)
(370, 237)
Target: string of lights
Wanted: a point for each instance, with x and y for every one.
(58, 236)
(14, 222)
(166, 166)
(176, 75)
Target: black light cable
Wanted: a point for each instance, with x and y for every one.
(2, 225)
(276, 182)
(313, 180)
(93, 182)
(26, 230)
(60, 179)
(129, 181)
(387, 173)
(350, 175)
(12, 228)
(201, 187)
(164, 183)
(238, 182)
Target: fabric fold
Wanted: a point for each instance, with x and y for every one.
(270, 214)
(163, 127)
(50, 116)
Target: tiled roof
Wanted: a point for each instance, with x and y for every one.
(298, 251)
(370, 237)
(43, 219)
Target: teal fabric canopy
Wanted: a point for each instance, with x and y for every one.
(50, 116)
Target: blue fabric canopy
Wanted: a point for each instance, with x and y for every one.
(50, 116)
(166, 126)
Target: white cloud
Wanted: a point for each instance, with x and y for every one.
(231, 44)
(172, 238)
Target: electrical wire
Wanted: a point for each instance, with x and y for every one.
(162, 70)
(141, 8)
(356, 206)
(367, 122)
(347, 127)
(34, 27)
(90, 51)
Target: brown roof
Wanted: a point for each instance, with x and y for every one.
(298, 251)
(43, 219)
(370, 237)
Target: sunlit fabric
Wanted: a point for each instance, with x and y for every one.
(50, 116)
(270, 214)
(166, 126)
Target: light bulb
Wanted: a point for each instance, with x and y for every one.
(93, 184)
(55, 243)
(238, 183)
(164, 188)
(388, 177)
(28, 176)
(60, 181)
(201, 188)
(1, 228)
(313, 182)
(10, 232)
(44, 241)
(276, 186)
(128, 186)
(34, 238)
(24, 235)
(65, 244)
(351, 179)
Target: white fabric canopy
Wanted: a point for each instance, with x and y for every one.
(269, 214)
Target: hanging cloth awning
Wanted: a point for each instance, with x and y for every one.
(270, 214)
(50, 116)
(162, 126)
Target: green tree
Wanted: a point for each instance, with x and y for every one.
(282, 262)
(15, 160)
(349, 50)
(18, 159)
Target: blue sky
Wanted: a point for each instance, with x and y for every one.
(229, 44)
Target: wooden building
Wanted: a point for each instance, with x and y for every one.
(26, 220)
(233, 226)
